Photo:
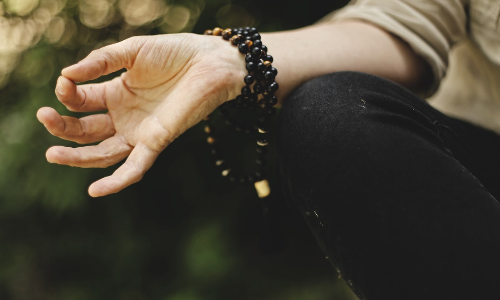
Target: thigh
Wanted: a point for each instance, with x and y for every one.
(398, 194)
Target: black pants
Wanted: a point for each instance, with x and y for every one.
(402, 198)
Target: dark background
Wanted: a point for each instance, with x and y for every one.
(182, 233)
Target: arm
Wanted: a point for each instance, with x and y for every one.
(173, 81)
(309, 52)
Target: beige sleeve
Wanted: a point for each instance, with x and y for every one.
(430, 27)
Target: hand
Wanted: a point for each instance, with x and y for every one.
(172, 82)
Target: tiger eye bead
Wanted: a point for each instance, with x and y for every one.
(267, 63)
(208, 32)
(249, 43)
(217, 31)
(210, 140)
(208, 129)
(235, 40)
(226, 34)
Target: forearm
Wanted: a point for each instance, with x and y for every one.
(312, 51)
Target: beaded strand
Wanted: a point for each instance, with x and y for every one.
(257, 95)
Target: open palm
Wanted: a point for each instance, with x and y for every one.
(171, 83)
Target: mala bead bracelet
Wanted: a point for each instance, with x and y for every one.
(257, 95)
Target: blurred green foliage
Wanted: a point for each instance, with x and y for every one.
(182, 233)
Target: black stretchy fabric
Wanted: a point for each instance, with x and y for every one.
(402, 198)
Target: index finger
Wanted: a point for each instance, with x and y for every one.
(105, 60)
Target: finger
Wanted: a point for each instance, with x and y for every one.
(105, 60)
(90, 97)
(89, 129)
(134, 168)
(105, 154)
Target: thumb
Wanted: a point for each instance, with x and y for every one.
(105, 60)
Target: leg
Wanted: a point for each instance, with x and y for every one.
(385, 182)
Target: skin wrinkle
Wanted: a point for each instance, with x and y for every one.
(169, 136)
(83, 129)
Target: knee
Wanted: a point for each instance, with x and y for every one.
(323, 114)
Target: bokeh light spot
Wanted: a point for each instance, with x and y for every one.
(234, 16)
(21, 7)
(176, 19)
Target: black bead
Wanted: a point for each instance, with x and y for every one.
(246, 91)
(248, 58)
(264, 48)
(271, 111)
(261, 161)
(249, 79)
(259, 175)
(257, 43)
(251, 66)
(239, 100)
(262, 104)
(232, 177)
(258, 88)
(256, 36)
(269, 76)
(215, 152)
(252, 30)
(231, 103)
(261, 66)
(268, 58)
(263, 118)
(247, 28)
(253, 99)
(251, 178)
(256, 51)
(243, 48)
(245, 32)
(274, 71)
(242, 180)
(261, 149)
(273, 100)
(256, 74)
(273, 87)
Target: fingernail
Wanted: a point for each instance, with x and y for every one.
(59, 86)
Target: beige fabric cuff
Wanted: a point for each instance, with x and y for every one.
(380, 18)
